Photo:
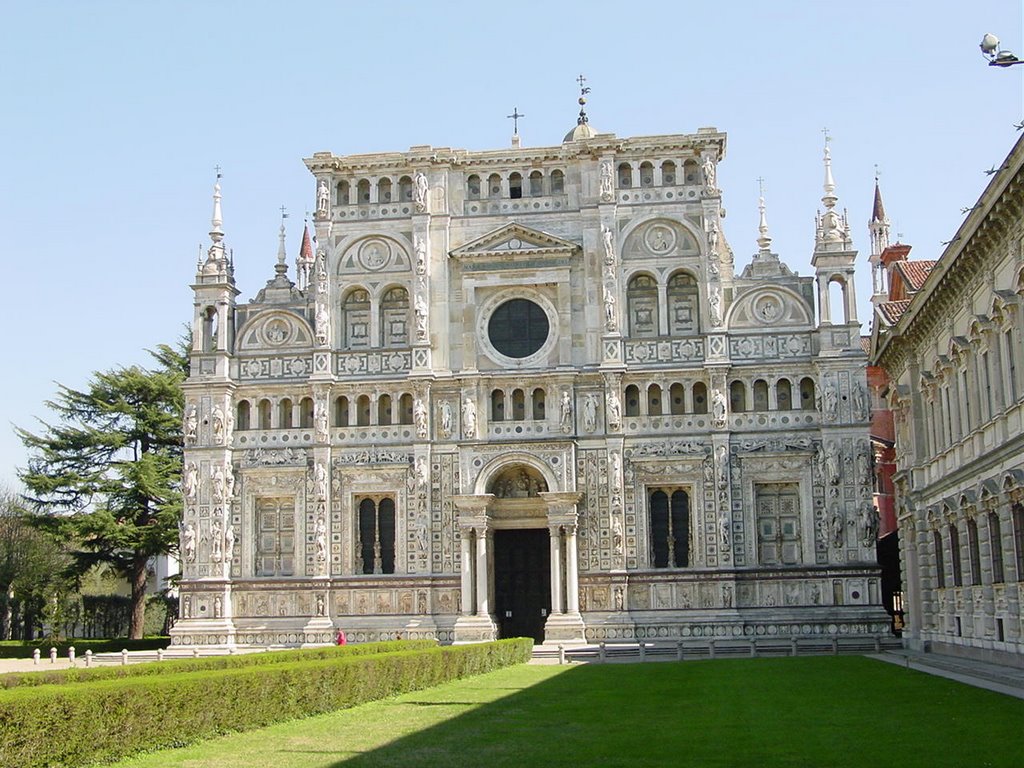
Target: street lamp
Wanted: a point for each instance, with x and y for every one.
(996, 57)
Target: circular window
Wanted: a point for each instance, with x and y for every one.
(518, 328)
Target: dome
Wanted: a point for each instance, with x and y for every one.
(580, 132)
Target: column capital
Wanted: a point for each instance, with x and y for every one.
(562, 507)
(473, 510)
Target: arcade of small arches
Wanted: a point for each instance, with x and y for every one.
(745, 395)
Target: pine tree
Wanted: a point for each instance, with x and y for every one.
(109, 469)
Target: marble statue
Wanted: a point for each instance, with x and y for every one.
(419, 418)
(419, 192)
(607, 184)
(446, 419)
(323, 199)
(565, 419)
(468, 418)
(590, 413)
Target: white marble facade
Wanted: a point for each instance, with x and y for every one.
(548, 339)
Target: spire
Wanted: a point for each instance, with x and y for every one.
(216, 261)
(832, 228)
(764, 240)
(281, 268)
(582, 130)
(829, 198)
(879, 224)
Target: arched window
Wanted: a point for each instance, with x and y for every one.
(668, 173)
(557, 182)
(363, 191)
(677, 396)
(837, 310)
(632, 400)
(691, 175)
(264, 414)
(384, 410)
(394, 318)
(210, 329)
(646, 174)
(405, 189)
(363, 411)
(538, 404)
(405, 409)
(242, 420)
(342, 194)
(700, 397)
(341, 411)
(384, 190)
(625, 176)
(683, 300)
(737, 397)
(954, 556)
(497, 405)
(654, 400)
(473, 187)
(494, 186)
(783, 395)
(807, 394)
(642, 305)
(518, 405)
(940, 566)
(760, 395)
(376, 527)
(355, 312)
(515, 185)
(670, 528)
(306, 413)
(284, 414)
(536, 184)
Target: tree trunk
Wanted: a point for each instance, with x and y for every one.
(137, 578)
(7, 620)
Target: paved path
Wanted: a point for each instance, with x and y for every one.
(1000, 678)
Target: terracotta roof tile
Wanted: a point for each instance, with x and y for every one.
(891, 311)
(914, 272)
(865, 344)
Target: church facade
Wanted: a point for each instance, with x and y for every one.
(526, 392)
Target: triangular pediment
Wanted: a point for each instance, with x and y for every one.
(514, 239)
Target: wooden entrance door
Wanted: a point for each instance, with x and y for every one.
(522, 582)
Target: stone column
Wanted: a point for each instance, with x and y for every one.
(556, 568)
(475, 623)
(482, 580)
(572, 588)
(467, 574)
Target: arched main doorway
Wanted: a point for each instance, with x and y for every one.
(522, 562)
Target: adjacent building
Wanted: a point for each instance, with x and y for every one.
(948, 335)
(527, 391)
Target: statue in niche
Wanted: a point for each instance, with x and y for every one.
(320, 481)
(723, 530)
(713, 240)
(708, 167)
(468, 418)
(229, 543)
(868, 525)
(186, 607)
(191, 424)
(188, 542)
(815, 594)
(614, 411)
(420, 308)
(419, 192)
(727, 596)
(321, 267)
(421, 255)
(620, 598)
(830, 402)
(323, 199)
(419, 417)
(608, 241)
(590, 413)
(607, 185)
(190, 483)
(715, 302)
(617, 540)
(718, 407)
(321, 419)
(722, 462)
(609, 307)
(321, 322)
(219, 482)
(860, 404)
(216, 540)
(217, 424)
(566, 412)
(218, 607)
(321, 605)
(229, 485)
(864, 466)
(832, 470)
(836, 526)
(708, 466)
(518, 483)
(446, 419)
(422, 472)
(320, 539)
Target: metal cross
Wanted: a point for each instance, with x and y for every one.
(827, 137)
(284, 214)
(217, 169)
(760, 186)
(877, 172)
(581, 80)
(515, 119)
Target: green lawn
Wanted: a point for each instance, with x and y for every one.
(820, 712)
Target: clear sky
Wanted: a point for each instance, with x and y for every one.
(114, 115)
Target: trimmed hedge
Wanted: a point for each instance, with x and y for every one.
(68, 725)
(82, 674)
(12, 649)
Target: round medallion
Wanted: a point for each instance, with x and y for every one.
(276, 332)
(767, 309)
(660, 239)
(374, 255)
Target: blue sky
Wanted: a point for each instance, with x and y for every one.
(115, 113)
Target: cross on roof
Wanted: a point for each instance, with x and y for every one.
(515, 119)
(284, 214)
(581, 80)
(217, 169)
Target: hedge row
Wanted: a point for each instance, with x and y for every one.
(12, 649)
(70, 725)
(83, 674)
